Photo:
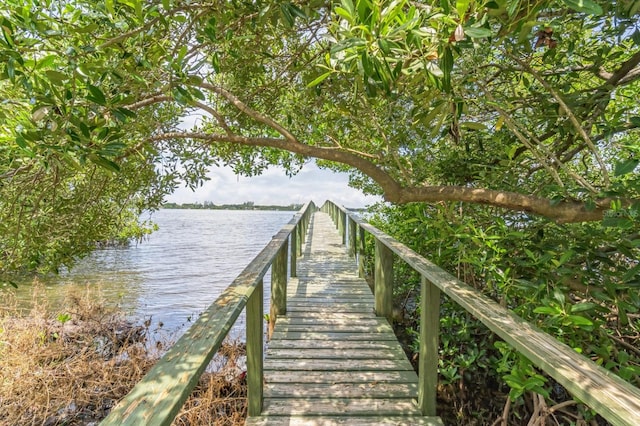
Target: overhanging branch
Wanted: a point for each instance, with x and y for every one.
(562, 212)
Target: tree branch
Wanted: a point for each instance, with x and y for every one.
(562, 212)
(244, 108)
(570, 114)
(625, 69)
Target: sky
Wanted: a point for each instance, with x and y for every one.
(274, 187)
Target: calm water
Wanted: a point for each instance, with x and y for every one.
(179, 270)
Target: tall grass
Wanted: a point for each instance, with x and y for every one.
(70, 364)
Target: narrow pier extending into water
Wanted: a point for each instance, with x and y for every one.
(331, 360)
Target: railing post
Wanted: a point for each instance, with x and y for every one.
(279, 282)
(303, 229)
(352, 237)
(383, 289)
(300, 229)
(255, 331)
(343, 226)
(428, 358)
(361, 252)
(294, 251)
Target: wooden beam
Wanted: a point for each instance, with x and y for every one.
(383, 291)
(428, 359)
(352, 236)
(279, 282)
(255, 332)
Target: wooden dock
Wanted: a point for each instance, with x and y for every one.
(331, 360)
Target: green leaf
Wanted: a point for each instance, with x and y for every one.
(461, 7)
(87, 29)
(580, 321)
(586, 6)
(11, 70)
(319, 79)
(96, 95)
(583, 307)
(56, 77)
(104, 163)
(477, 32)
(473, 125)
(109, 6)
(625, 167)
(513, 7)
(547, 310)
(344, 13)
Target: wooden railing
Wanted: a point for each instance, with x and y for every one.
(159, 396)
(607, 394)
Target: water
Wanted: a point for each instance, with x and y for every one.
(178, 271)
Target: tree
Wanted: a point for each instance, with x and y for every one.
(529, 106)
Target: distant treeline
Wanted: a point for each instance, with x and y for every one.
(249, 205)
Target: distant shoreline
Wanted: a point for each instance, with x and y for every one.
(243, 206)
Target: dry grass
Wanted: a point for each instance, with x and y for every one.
(70, 366)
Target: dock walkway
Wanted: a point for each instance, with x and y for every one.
(331, 360)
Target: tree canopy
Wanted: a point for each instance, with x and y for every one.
(529, 106)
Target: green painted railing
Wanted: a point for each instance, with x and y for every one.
(157, 399)
(607, 394)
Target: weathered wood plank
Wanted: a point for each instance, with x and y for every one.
(345, 420)
(330, 309)
(333, 344)
(338, 406)
(334, 377)
(336, 315)
(278, 335)
(321, 327)
(255, 333)
(391, 352)
(331, 320)
(343, 390)
(383, 280)
(337, 364)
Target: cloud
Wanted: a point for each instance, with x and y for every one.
(273, 187)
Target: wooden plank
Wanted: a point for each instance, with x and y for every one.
(278, 335)
(324, 299)
(336, 315)
(345, 420)
(338, 406)
(279, 282)
(383, 280)
(331, 309)
(321, 327)
(428, 360)
(326, 320)
(392, 352)
(337, 364)
(343, 390)
(335, 377)
(255, 333)
(331, 344)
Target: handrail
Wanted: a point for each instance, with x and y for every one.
(609, 395)
(159, 396)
